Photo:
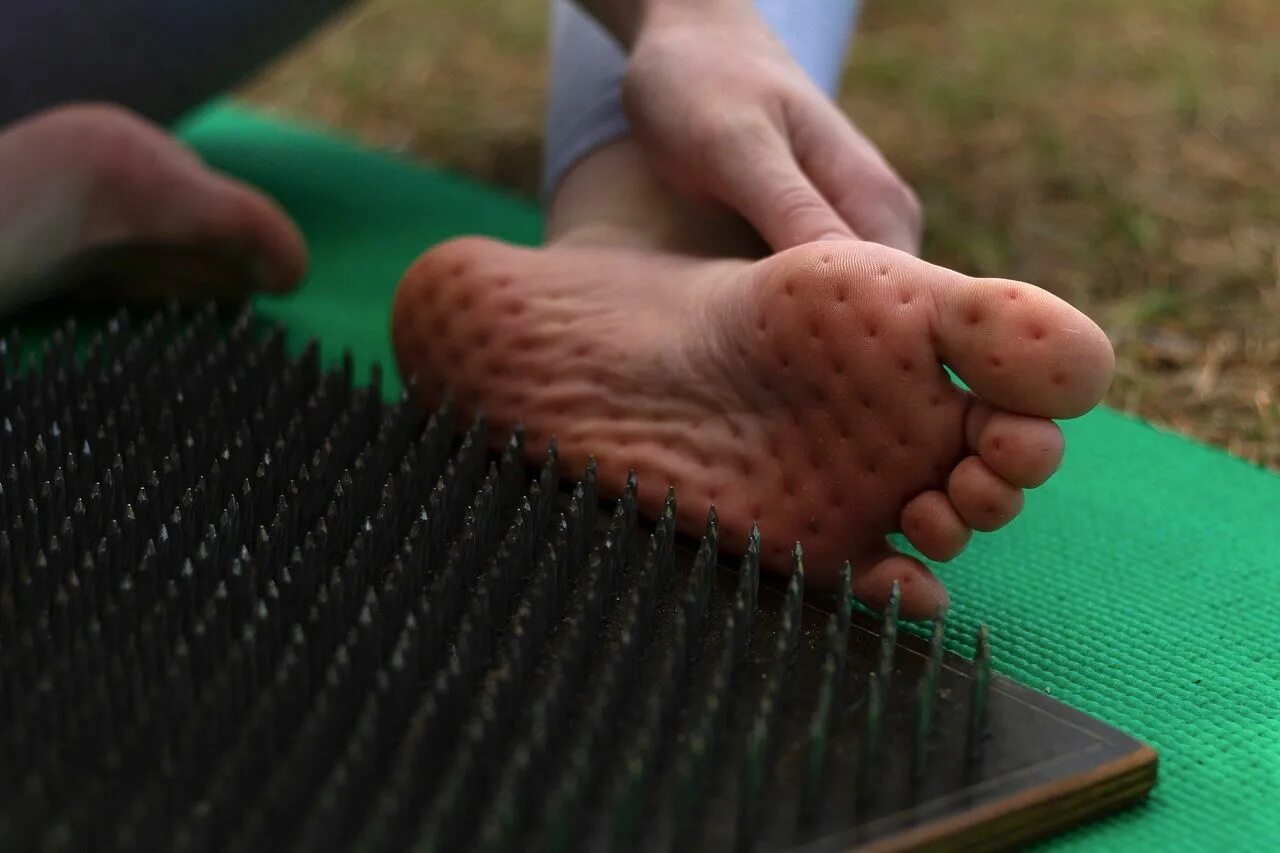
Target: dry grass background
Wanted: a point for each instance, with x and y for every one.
(1122, 153)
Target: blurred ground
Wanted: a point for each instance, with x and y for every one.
(1121, 153)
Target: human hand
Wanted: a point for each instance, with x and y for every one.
(723, 112)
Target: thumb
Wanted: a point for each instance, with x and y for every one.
(780, 202)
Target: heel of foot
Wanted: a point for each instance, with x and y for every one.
(432, 310)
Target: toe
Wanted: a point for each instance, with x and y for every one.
(923, 595)
(1022, 450)
(1021, 348)
(933, 526)
(984, 499)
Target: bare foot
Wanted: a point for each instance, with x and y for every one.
(805, 391)
(83, 185)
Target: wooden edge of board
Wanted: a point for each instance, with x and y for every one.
(1038, 812)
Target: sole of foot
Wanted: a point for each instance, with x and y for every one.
(806, 392)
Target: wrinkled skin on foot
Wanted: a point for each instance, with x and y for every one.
(92, 192)
(805, 391)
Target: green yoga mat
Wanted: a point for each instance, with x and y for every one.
(1142, 584)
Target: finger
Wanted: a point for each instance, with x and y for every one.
(850, 171)
(764, 184)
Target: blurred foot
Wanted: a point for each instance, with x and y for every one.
(805, 391)
(94, 193)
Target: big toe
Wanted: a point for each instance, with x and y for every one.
(1022, 348)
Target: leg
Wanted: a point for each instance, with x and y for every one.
(157, 57)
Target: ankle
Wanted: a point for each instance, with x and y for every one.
(611, 197)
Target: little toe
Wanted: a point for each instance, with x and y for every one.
(1023, 450)
(922, 595)
(932, 525)
(984, 499)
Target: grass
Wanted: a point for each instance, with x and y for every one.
(1118, 152)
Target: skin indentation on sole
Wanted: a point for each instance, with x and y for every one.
(740, 388)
